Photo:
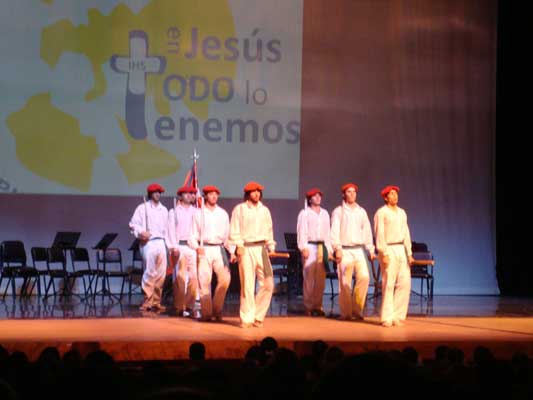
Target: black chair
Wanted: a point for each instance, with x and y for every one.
(109, 265)
(81, 268)
(376, 278)
(136, 269)
(280, 270)
(294, 265)
(422, 268)
(13, 266)
(39, 258)
(56, 263)
(331, 275)
(100, 247)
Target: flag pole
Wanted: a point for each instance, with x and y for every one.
(199, 198)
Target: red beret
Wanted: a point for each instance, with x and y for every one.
(210, 188)
(186, 189)
(348, 186)
(251, 186)
(155, 187)
(313, 191)
(385, 191)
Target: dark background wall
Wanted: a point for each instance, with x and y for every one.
(513, 158)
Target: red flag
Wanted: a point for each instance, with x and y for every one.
(191, 179)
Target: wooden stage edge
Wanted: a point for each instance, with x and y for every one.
(167, 338)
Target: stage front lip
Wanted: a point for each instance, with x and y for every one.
(168, 338)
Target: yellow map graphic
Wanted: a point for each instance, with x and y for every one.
(108, 35)
(50, 144)
(105, 36)
(143, 159)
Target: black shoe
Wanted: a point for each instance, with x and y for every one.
(159, 307)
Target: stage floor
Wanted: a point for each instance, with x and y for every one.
(505, 325)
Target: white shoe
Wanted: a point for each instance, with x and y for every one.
(398, 323)
(386, 324)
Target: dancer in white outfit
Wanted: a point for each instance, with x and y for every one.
(393, 242)
(251, 232)
(209, 237)
(314, 243)
(351, 235)
(184, 277)
(150, 225)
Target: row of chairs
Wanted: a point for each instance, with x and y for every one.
(422, 269)
(50, 265)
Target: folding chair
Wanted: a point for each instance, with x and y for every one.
(422, 268)
(109, 265)
(56, 263)
(81, 268)
(13, 266)
(136, 269)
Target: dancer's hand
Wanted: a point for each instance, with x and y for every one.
(338, 256)
(144, 236)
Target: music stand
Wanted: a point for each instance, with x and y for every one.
(106, 241)
(135, 245)
(66, 240)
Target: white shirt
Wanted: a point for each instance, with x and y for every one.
(251, 223)
(215, 227)
(351, 227)
(180, 223)
(390, 226)
(151, 218)
(313, 227)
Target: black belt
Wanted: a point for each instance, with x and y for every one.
(212, 244)
(183, 243)
(316, 242)
(258, 243)
(355, 246)
(395, 243)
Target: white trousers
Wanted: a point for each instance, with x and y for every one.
(314, 280)
(185, 279)
(353, 261)
(254, 307)
(395, 285)
(212, 262)
(154, 255)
